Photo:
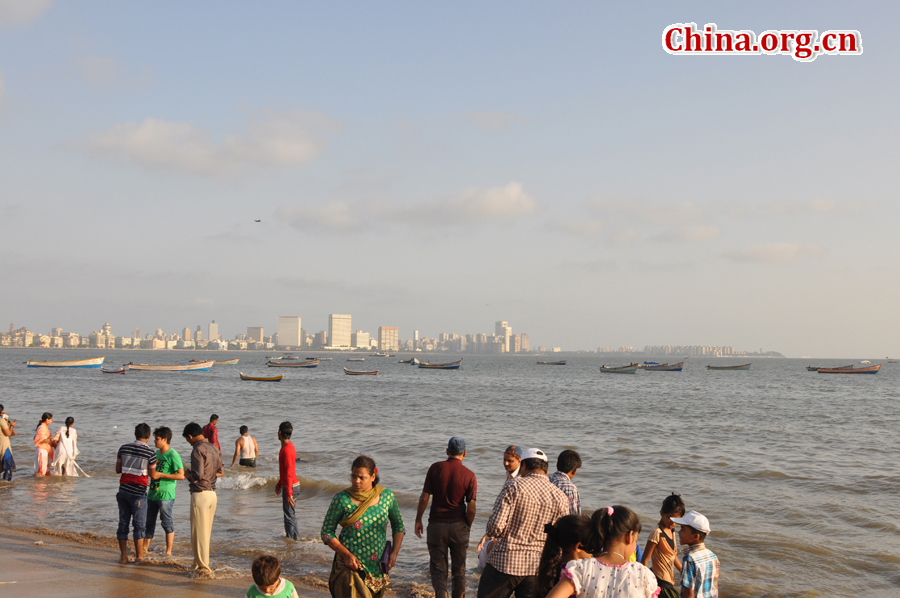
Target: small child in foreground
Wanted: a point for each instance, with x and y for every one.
(662, 548)
(699, 566)
(267, 575)
(565, 542)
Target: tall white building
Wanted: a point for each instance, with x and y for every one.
(339, 330)
(289, 331)
(213, 331)
(360, 340)
(503, 332)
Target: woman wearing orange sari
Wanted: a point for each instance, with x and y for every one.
(43, 446)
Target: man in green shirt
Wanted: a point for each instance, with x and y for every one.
(161, 497)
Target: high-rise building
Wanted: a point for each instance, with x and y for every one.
(186, 334)
(320, 339)
(415, 339)
(515, 343)
(255, 334)
(56, 332)
(388, 338)
(523, 343)
(213, 331)
(339, 330)
(503, 332)
(198, 336)
(289, 331)
(359, 340)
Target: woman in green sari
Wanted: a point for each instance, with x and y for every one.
(363, 511)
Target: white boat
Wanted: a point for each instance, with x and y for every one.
(203, 366)
(79, 363)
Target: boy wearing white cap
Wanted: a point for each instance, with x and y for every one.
(699, 566)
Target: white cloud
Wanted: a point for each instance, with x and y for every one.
(587, 227)
(21, 12)
(690, 234)
(277, 140)
(775, 253)
(495, 121)
(654, 212)
(471, 206)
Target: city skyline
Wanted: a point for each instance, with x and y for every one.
(445, 166)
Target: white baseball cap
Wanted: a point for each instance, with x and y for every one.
(534, 453)
(695, 520)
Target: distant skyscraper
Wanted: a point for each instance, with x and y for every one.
(388, 338)
(415, 339)
(339, 330)
(255, 334)
(320, 339)
(198, 336)
(359, 340)
(137, 333)
(186, 334)
(213, 331)
(503, 332)
(289, 331)
(523, 343)
(56, 332)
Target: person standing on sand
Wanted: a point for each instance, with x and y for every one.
(66, 449)
(246, 448)
(161, 497)
(287, 479)
(454, 488)
(211, 432)
(522, 510)
(135, 462)
(7, 429)
(206, 467)
(43, 445)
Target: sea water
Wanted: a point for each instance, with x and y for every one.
(797, 471)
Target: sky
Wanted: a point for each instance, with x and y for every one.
(441, 166)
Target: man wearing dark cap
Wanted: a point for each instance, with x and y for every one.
(454, 487)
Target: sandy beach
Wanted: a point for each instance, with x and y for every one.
(37, 563)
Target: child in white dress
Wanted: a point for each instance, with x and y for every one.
(614, 534)
(66, 449)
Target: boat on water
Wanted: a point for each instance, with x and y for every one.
(262, 378)
(453, 365)
(320, 359)
(203, 366)
(296, 364)
(815, 368)
(121, 371)
(745, 366)
(78, 363)
(664, 367)
(352, 373)
(357, 359)
(379, 355)
(413, 361)
(631, 368)
(228, 361)
(872, 369)
(563, 362)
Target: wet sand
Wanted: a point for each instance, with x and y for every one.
(36, 563)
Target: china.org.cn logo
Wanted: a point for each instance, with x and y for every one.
(685, 39)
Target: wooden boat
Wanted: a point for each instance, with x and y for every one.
(122, 371)
(357, 359)
(745, 366)
(228, 361)
(203, 366)
(872, 369)
(815, 368)
(631, 368)
(664, 367)
(413, 361)
(262, 378)
(79, 363)
(563, 362)
(296, 364)
(379, 355)
(352, 373)
(453, 365)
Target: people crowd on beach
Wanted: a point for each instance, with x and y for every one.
(537, 543)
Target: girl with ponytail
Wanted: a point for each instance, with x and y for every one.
(565, 542)
(66, 449)
(612, 538)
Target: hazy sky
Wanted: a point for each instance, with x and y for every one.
(440, 166)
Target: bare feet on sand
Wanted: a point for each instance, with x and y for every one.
(123, 560)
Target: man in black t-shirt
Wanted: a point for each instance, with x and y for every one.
(454, 487)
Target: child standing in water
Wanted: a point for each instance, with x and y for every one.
(662, 551)
(613, 537)
(700, 567)
(565, 542)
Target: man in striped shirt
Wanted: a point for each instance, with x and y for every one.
(699, 566)
(134, 461)
(525, 505)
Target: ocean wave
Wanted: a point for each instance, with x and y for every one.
(245, 481)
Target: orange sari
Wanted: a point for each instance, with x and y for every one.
(43, 450)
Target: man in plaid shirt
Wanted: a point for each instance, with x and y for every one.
(525, 505)
(567, 465)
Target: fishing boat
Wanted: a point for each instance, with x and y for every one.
(228, 361)
(319, 358)
(413, 361)
(815, 368)
(664, 367)
(453, 365)
(563, 362)
(79, 363)
(745, 366)
(298, 364)
(203, 366)
(357, 359)
(631, 368)
(121, 371)
(379, 355)
(352, 373)
(262, 378)
(872, 369)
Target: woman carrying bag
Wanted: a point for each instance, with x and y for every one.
(363, 556)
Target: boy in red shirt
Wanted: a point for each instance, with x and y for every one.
(287, 479)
